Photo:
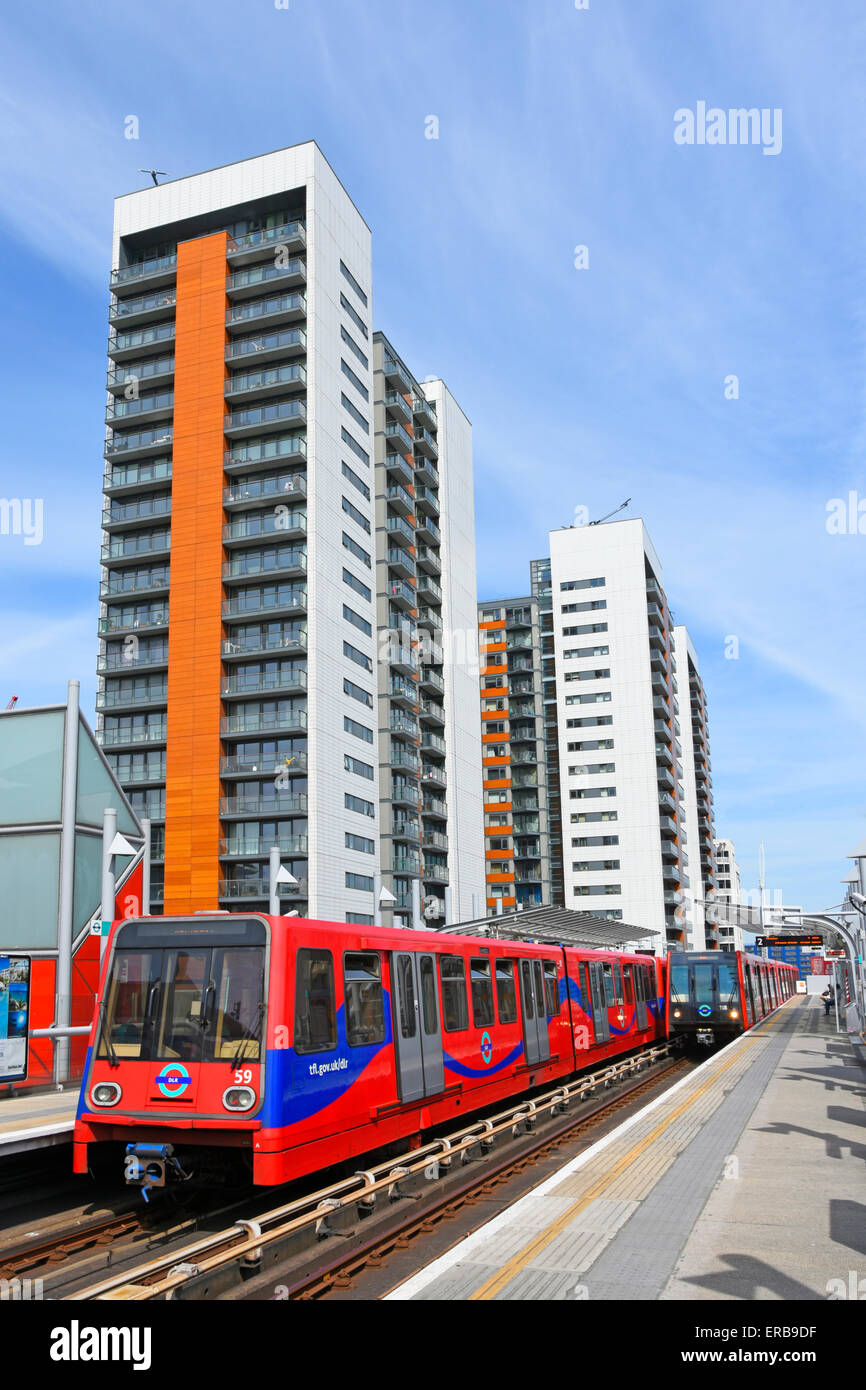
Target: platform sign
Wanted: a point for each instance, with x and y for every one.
(14, 1016)
(834, 954)
(763, 942)
(820, 966)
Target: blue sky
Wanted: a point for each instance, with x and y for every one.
(584, 386)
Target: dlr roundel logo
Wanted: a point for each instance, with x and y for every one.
(173, 1080)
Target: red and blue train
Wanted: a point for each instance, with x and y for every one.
(715, 995)
(279, 1046)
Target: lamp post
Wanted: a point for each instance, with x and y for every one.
(278, 874)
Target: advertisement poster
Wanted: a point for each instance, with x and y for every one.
(14, 1015)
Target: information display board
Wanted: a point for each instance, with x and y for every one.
(14, 1016)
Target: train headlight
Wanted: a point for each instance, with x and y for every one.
(105, 1093)
(239, 1098)
(734, 1013)
(676, 1013)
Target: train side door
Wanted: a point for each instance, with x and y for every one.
(635, 979)
(535, 1041)
(600, 1023)
(417, 1025)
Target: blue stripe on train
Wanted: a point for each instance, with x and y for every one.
(472, 1072)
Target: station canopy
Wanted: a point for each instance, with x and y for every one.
(553, 926)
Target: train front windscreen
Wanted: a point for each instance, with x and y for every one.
(704, 993)
(191, 995)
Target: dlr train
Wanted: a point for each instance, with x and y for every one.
(270, 1047)
(714, 995)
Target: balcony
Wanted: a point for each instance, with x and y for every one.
(265, 346)
(398, 407)
(292, 486)
(274, 525)
(400, 531)
(273, 310)
(148, 621)
(265, 765)
(427, 445)
(258, 890)
(404, 793)
(259, 846)
(425, 472)
(137, 443)
(400, 467)
(432, 776)
(237, 609)
(126, 344)
(291, 680)
(398, 437)
(430, 681)
(253, 246)
(664, 755)
(403, 724)
(121, 659)
(401, 593)
(245, 456)
(428, 588)
(428, 560)
(401, 500)
(245, 567)
(112, 698)
(153, 405)
(265, 418)
(668, 826)
(159, 270)
(432, 713)
(279, 804)
(429, 618)
(665, 778)
(655, 615)
(427, 500)
(406, 864)
(142, 308)
(401, 755)
(425, 412)
(433, 839)
(259, 722)
(129, 477)
(286, 643)
(397, 376)
(267, 381)
(433, 742)
(427, 528)
(125, 514)
(133, 583)
(434, 806)
(435, 873)
(135, 776)
(126, 549)
(405, 690)
(406, 828)
(244, 284)
(136, 734)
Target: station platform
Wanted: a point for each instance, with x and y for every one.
(744, 1181)
(37, 1121)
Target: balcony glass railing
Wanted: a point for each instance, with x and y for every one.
(141, 371)
(278, 485)
(265, 524)
(264, 308)
(141, 439)
(141, 337)
(283, 411)
(136, 543)
(133, 511)
(121, 409)
(139, 733)
(134, 581)
(263, 274)
(258, 890)
(260, 845)
(280, 600)
(266, 642)
(268, 236)
(264, 765)
(128, 274)
(130, 474)
(397, 436)
(277, 804)
(272, 446)
(120, 620)
(396, 493)
(285, 339)
(142, 304)
(291, 677)
(293, 374)
(398, 527)
(257, 722)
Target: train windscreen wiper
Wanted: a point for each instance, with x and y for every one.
(251, 1036)
(113, 1060)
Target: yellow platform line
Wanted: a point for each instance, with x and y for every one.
(509, 1271)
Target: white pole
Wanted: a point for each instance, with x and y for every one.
(377, 906)
(63, 984)
(109, 831)
(273, 885)
(145, 870)
(448, 917)
(416, 904)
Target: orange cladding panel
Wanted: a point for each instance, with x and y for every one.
(192, 783)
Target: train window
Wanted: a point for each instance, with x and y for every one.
(539, 987)
(428, 995)
(406, 996)
(551, 991)
(238, 976)
(482, 992)
(135, 978)
(452, 972)
(729, 985)
(585, 993)
(365, 1009)
(679, 984)
(617, 981)
(627, 984)
(180, 1025)
(506, 999)
(526, 981)
(315, 1016)
(609, 994)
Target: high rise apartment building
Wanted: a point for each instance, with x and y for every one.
(516, 824)
(625, 751)
(245, 505)
(727, 897)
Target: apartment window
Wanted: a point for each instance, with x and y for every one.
(360, 658)
(361, 919)
(590, 744)
(360, 843)
(353, 315)
(587, 793)
(583, 629)
(597, 890)
(362, 696)
(593, 723)
(500, 843)
(601, 697)
(356, 516)
(357, 803)
(356, 481)
(592, 817)
(491, 615)
(500, 818)
(494, 797)
(495, 726)
(347, 275)
(363, 883)
(582, 584)
(356, 550)
(585, 841)
(600, 673)
(352, 443)
(357, 621)
(353, 346)
(582, 769)
(355, 765)
(573, 653)
(353, 583)
(355, 413)
(495, 750)
(592, 866)
(584, 607)
(352, 726)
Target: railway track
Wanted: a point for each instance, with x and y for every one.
(300, 1238)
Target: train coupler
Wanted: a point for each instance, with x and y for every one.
(149, 1165)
